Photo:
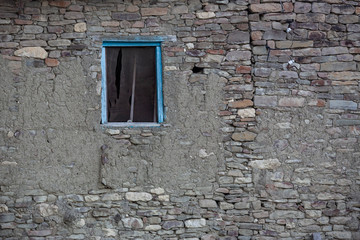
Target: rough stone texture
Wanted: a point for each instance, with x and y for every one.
(260, 140)
(34, 52)
(138, 196)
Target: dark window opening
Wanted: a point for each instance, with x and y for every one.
(131, 84)
(197, 69)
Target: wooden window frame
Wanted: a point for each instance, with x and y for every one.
(159, 89)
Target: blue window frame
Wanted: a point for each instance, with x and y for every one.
(153, 42)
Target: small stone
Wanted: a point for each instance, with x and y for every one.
(59, 43)
(301, 7)
(133, 223)
(266, 7)
(9, 45)
(246, 113)
(245, 136)
(47, 209)
(80, 27)
(51, 62)
(3, 208)
(274, 35)
(180, 9)
(154, 11)
(172, 224)
(291, 102)
(7, 217)
(138, 196)
(338, 66)
(59, 3)
(39, 233)
(330, 196)
(241, 104)
(153, 228)
(205, 15)
(307, 52)
(207, 203)
(157, 191)
(74, 15)
(265, 164)
(126, 16)
(195, 223)
(343, 104)
(112, 197)
(163, 198)
(35, 52)
(343, 9)
(265, 101)
(226, 206)
(110, 24)
(321, 8)
(238, 56)
(236, 37)
(33, 29)
(242, 205)
(283, 214)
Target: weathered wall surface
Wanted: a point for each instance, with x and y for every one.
(261, 140)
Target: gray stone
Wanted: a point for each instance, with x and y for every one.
(59, 43)
(265, 101)
(265, 164)
(338, 66)
(301, 7)
(7, 217)
(237, 37)
(74, 15)
(133, 223)
(195, 223)
(33, 29)
(207, 203)
(238, 55)
(342, 9)
(321, 8)
(274, 35)
(283, 214)
(33, 43)
(172, 224)
(343, 104)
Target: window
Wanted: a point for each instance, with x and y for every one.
(131, 83)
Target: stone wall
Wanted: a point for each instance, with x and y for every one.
(261, 139)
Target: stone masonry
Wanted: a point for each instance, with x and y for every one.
(261, 137)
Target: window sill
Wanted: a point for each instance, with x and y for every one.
(130, 124)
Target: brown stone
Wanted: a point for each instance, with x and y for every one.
(243, 69)
(23, 22)
(62, 4)
(311, 17)
(245, 136)
(51, 62)
(154, 11)
(132, 8)
(241, 104)
(266, 7)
